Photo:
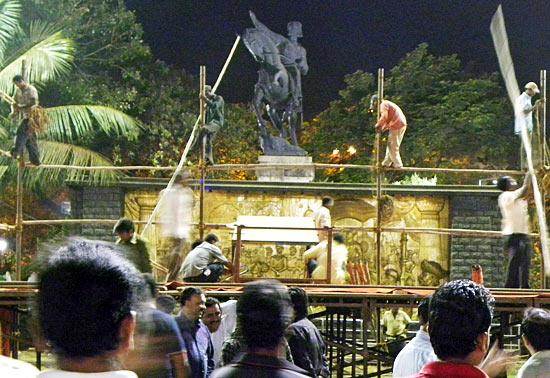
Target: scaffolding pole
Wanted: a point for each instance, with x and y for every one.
(202, 161)
(379, 177)
(543, 158)
(19, 218)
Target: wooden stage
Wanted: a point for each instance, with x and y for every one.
(348, 316)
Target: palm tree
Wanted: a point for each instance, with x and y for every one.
(47, 55)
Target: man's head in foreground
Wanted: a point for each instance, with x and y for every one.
(86, 303)
(459, 321)
(192, 303)
(212, 316)
(264, 310)
(535, 330)
(300, 302)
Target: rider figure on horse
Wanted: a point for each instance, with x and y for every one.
(293, 55)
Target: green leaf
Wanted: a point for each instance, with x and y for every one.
(70, 122)
(10, 11)
(57, 153)
(48, 55)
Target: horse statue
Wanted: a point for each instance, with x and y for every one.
(278, 90)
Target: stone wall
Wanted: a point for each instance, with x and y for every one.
(414, 207)
(97, 203)
(479, 213)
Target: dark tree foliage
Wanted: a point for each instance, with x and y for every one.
(454, 119)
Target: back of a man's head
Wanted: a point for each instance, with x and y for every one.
(460, 311)
(536, 328)
(147, 290)
(327, 201)
(424, 311)
(86, 291)
(300, 302)
(211, 238)
(166, 303)
(264, 310)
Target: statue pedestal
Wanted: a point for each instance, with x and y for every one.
(301, 174)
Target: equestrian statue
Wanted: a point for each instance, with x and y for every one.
(278, 92)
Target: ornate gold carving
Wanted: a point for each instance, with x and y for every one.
(407, 259)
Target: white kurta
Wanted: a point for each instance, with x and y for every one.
(417, 353)
(322, 219)
(537, 366)
(177, 212)
(523, 110)
(227, 326)
(339, 257)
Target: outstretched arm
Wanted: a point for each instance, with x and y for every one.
(276, 38)
(526, 188)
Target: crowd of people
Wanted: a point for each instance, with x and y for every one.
(102, 318)
(99, 310)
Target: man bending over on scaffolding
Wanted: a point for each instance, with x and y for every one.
(393, 120)
(26, 100)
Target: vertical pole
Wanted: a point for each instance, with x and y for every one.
(379, 174)
(542, 118)
(329, 254)
(19, 206)
(237, 259)
(202, 160)
(19, 219)
(544, 159)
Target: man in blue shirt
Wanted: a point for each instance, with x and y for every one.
(196, 335)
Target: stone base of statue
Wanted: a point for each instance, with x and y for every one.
(301, 174)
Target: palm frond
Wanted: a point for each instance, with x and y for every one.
(57, 153)
(10, 11)
(3, 169)
(70, 122)
(47, 57)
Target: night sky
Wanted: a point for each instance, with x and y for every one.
(342, 36)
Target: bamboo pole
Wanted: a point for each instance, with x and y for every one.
(228, 167)
(202, 161)
(102, 167)
(237, 259)
(379, 177)
(417, 230)
(544, 157)
(329, 254)
(542, 113)
(19, 219)
(183, 158)
(226, 64)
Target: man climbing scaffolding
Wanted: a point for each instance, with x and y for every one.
(25, 108)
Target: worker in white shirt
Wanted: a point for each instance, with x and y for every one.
(322, 219)
(523, 110)
(419, 351)
(515, 229)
